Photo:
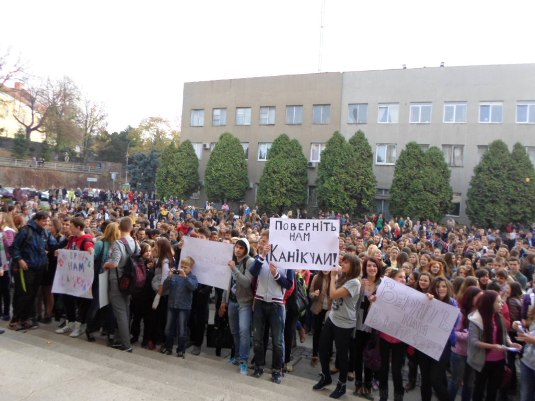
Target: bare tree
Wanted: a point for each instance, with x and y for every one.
(92, 122)
(10, 70)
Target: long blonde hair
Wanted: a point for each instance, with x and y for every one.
(112, 233)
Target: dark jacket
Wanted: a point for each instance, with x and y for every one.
(180, 290)
(34, 251)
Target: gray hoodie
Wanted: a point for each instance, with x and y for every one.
(240, 282)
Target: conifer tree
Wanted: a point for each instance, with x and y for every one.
(226, 177)
(364, 184)
(522, 181)
(489, 193)
(284, 181)
(178, 174)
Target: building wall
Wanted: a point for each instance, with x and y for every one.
(9, 126)
(472, 85)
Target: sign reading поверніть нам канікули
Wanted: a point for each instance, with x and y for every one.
(304, 244)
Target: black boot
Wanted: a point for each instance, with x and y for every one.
(398, 397)
(339, 391)
(383, 394)
(324, 381)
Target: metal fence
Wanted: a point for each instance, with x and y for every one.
(94, 168)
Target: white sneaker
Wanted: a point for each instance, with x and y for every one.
(77, 331)
(69, 326)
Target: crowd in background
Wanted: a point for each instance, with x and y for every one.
(486, 274)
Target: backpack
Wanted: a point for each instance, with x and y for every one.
(300, 294)
(134, 276)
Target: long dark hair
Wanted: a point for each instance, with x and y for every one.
(434, 285)
(377, 262)
(165, 251)
(485, 306)
(466, 303)
(354, 270)
(318, 282)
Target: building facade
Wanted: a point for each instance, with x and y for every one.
(457, 109)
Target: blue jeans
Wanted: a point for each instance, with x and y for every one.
(461, 372)
(272, 314)
(240, 318)
(177, 325)
(527, 383)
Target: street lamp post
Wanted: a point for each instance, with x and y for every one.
(126, 172)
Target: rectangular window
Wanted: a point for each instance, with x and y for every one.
(219, 117)
(525, 112)
(321, 114)
(531, 153)
(198, 149)
(453, 155)
(481, 150)
(263, 149)
(491, 113)
(455, 112)
(243, 116)
(421, 113)
(388, 113)
(315, 151)
(357, 113)
(245, 146)
(197, 118)
(294, 115)
(386, 153)
(267, 115)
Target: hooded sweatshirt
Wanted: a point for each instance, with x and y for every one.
(240, 289)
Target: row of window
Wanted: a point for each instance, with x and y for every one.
(385, 153)
(387, 113)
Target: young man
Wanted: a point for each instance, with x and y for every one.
(514, 268)
(78, 241)
(239, 298)
(30, 261)
(269, 310)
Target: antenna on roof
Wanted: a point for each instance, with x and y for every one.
(320, 50)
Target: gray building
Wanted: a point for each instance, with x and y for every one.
(458, 109)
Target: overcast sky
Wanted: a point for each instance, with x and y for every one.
(134, 56)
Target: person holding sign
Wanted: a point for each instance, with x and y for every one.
(340, 324)
(269, 309)
(239, 298)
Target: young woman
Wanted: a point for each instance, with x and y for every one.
(487, 345)
(434, 372)
(339, 326)
(436, 268)
(163, 251)
(527, 364)
(321, 303)
(371, 278)
(424, 282)
(392, 350)
(461, 372)
(425, 258)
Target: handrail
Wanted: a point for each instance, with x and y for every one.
(54, 165)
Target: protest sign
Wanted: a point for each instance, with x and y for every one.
(304, 244)
(74, 274)
(211, 260)
(410, 316)
(103, 289)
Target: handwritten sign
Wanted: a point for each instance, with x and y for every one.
(211, 260)
(74, 274)
(304, 244)
(408, 315)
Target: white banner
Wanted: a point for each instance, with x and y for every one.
(408, 315)
(103, 289)
(304, 244)
(211, 260)
(74, 274)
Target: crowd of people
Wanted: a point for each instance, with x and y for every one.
(486, 274)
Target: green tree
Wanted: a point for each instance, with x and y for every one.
(178, 174)
(421, 185)
(364, 184)
(489, 194)
(21, 146)
(226, 177)
(142, 168)
(46, 151)
(114, 147)
(284, 181)
(522, 181)
(335, 184)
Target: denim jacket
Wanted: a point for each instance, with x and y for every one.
(180, 290)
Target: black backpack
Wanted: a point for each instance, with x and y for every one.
(134, 274)
(300, 293)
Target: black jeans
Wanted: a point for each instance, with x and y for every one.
(434, 376)
(392, 354)
(289, 332)
(361, 340)
(489, 379)
(342, 339)
(319, 320)
(27, 283)
(4, 293)
(198, 317)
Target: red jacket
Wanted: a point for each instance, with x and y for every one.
(75, 243)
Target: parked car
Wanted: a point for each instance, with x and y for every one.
(6, 194)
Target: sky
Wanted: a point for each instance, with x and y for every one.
(133, 57)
